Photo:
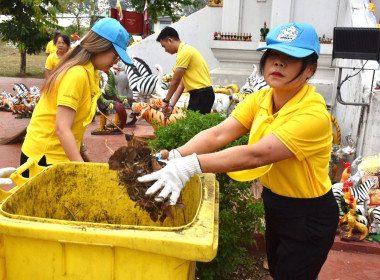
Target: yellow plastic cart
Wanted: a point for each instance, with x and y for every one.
(75, 221)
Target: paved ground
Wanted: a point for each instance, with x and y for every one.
(347, 260)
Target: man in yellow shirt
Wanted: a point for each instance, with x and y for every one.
(191, 72)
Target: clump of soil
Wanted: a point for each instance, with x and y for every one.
(134, 162)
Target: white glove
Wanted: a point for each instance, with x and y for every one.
(172, 177)
(4, 176)
(174, 154)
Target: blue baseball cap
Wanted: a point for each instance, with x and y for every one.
(114, 32)
(294, 39)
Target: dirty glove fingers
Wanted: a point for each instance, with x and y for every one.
(150, 177)
(155, 187)
(169, 188)
(6, 172)
(174, 197)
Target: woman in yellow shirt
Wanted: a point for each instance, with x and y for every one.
(51, 46)
(70, 94)
(289, 150)
(63, 46)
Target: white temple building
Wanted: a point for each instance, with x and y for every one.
(232, 61)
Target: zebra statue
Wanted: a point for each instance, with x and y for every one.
(361, 192)
(254, 83)
(142, 67)
(374, 220)
(145, 86)
(338, 194)
(22, 92)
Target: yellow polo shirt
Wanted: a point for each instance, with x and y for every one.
(78, 89)
(197, 74)
(50, 47)
(52, 61)
(304, 126)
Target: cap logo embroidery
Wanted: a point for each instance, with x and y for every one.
(288, 34)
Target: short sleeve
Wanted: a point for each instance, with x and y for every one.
(246, 110)
(49, 62)
(306, 133)
(183, 58)
(72, 87)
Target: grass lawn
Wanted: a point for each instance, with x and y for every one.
(10, 62)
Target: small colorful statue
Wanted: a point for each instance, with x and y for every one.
(109, 100)
(263, 32)
(350, 218)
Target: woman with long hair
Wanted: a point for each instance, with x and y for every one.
(70, 93)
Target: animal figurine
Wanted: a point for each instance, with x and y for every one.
(145, 86)
(154, 116)
(5, 104)
(122, 82)
(25, 100)
(355, 173)
(346, 172)
(254, 82)
(222, 104)
(228, 89)
(350, 219)
(374, 220)
(361, 192)
(76, 39)
(109, 100)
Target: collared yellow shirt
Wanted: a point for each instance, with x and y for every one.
(78, 89)
(304, 126)
(52, 61)
(197, 74)
(50, 47)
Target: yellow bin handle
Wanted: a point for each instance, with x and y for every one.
(34, 169)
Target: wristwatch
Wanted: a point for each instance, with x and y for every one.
(165, 101)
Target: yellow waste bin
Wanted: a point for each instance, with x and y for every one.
(75, 221)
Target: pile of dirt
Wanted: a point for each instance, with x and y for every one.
(134, 162)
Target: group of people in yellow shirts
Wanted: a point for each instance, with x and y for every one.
(290, 134)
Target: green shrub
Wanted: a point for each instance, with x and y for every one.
(240, 215)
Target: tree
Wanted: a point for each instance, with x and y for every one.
(28, 25)
(188, 10)
(172, 9)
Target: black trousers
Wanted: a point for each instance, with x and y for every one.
(201, 100)
(299, 234)
(24, 158)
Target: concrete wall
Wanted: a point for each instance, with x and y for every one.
(360, 121)
(196, 30)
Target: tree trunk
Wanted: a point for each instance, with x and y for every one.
(23, 63)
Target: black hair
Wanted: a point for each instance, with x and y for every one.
(65, 39)
(168, 32)
(56, 35)
(306, 61)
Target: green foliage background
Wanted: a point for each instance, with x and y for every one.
(240, 215)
